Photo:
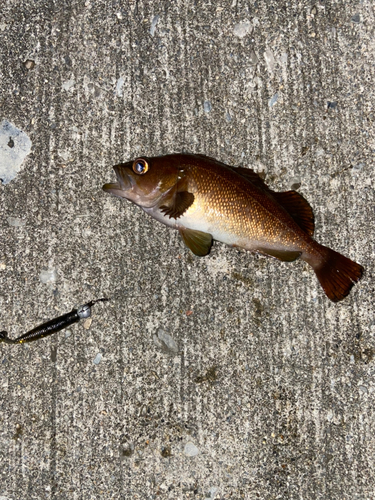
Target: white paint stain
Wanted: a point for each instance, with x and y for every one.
(15, 145)
(216, 265)
(270, 60)
(191, 450)
(68, 85)
(97, 359)
(211, 493)
(165, 341)
(273, 100)
(119, 87)
(48, 276)
(16, 222)
(207, 106)
(242, 29)
(153, 25)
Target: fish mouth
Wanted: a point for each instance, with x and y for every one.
(124, 182)
(123, 177)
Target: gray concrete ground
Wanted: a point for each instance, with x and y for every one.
(230, 376)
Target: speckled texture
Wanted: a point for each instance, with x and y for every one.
(270, 394)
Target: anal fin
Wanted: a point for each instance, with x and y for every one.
(199, 242)
(284, 255)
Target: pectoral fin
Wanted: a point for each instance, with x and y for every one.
(198, 242)
(284, 255)
(178, 204)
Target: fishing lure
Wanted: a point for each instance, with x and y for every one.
(54, 325)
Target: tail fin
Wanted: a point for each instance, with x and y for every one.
(337, 274)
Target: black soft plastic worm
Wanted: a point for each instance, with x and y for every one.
(52, 326)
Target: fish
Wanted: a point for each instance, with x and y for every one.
(207, 200)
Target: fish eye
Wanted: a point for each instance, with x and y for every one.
(140, 166)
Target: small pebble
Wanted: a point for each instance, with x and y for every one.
(190, 449)
(295, 183)
(16, 222)
(356, 18)
(358, 167)
(87, 323)
(126, 450)
(48, 276)
(284, 58)
(153, 25)
(332, 104)
(253, 58)
(69, 84)
(29, 64)
(270, 60)
(211, 493)
(242, 29)
(273, 100)
(119, 86)
(165, 341)
(97, 359)
(207, 106)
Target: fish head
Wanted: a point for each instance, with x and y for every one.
(144, 181)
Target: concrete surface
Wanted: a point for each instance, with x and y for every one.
(229, 376)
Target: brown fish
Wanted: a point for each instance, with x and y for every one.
(204, 200)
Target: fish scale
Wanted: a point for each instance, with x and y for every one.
(227, 209)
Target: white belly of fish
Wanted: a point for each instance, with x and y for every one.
(197, 220)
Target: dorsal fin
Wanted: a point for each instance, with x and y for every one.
(294, 203)
(248, 173)
(252, 177)
(298, 208)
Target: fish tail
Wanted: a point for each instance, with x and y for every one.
(336, 273)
